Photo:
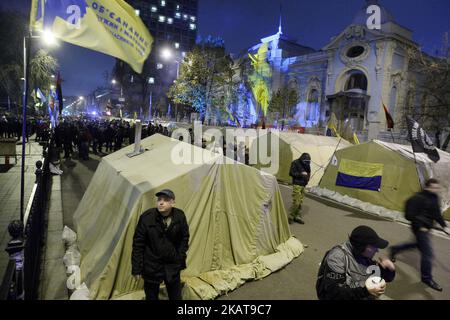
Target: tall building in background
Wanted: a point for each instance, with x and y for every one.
(173, 26)
(171, 22)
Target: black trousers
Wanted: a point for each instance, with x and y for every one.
(173, 289)
(423, 243)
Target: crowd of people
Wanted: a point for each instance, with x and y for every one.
(11, 127)
(98, 136)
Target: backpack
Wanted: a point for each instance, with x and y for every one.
(411, 207)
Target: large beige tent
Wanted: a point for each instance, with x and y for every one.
(292, 145)
(401, 175)
(237, 220)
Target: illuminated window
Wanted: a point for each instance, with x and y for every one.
(163, 3)
(169, 20)
(177, 45)
(192, 26)
(192, 18)
(185, 16)
(138, 12)
(154, 9)
(178, 15)
(159, 66)
(151, 80)
(162, 18)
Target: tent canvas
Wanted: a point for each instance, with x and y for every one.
(292, 145)
(400, 177)
(238, 231)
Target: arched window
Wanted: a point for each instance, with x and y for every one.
(313, 105)
(356, 80)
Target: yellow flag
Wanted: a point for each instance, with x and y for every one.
(109, 26)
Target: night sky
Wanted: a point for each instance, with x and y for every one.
(241, 23)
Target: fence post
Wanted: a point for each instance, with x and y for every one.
(15, 249)
(38, 171)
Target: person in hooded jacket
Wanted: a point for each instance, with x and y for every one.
(300, 172)
(349, 272)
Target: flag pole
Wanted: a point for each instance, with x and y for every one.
(414, 154)
(392, 135)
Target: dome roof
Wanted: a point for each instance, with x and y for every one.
(362, 15)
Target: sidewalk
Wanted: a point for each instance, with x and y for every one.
(10, 192)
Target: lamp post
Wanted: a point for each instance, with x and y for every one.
(49, 40)
(121, 99)
(167, 54)
(151, 81)
(81, 99)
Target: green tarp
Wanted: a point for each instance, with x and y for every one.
(237, 220)
(292, 145)
(401, 176)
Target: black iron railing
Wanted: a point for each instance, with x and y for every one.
(21, 280)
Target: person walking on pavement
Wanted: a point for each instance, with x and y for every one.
(347, 270)
(300, 172)
(423, 210)
(160, 244)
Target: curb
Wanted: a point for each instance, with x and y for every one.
(53, 276)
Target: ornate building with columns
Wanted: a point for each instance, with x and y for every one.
(352, 76)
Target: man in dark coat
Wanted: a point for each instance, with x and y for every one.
(423, 210)
(300, 172)
(160, 244)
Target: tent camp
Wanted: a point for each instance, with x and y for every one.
(384, 174)
(238, 231)
(292, 145)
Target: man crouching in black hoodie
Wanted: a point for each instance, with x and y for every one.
(345, 270)
(160, 244)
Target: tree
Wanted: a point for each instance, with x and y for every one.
(433, 88)
(283, 102)
(42, 67)
(205, 75)
(13, 27)
(136, 86)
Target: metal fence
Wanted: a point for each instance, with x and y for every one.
(21, 280)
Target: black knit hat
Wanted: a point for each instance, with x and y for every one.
(364, 235)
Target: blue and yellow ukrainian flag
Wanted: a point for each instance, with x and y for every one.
(359, 175)
(109, 26)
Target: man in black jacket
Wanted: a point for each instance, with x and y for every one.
(346, 268)
(300, 172)
(160, 244)
(422, 210)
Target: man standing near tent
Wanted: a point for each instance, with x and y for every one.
(160, 244)
(422, 210)
(300, 172)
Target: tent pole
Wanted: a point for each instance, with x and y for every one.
(329, 160)
(414, 154)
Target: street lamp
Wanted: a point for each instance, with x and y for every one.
(113, 81)
(49, 37)
(167, 54)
